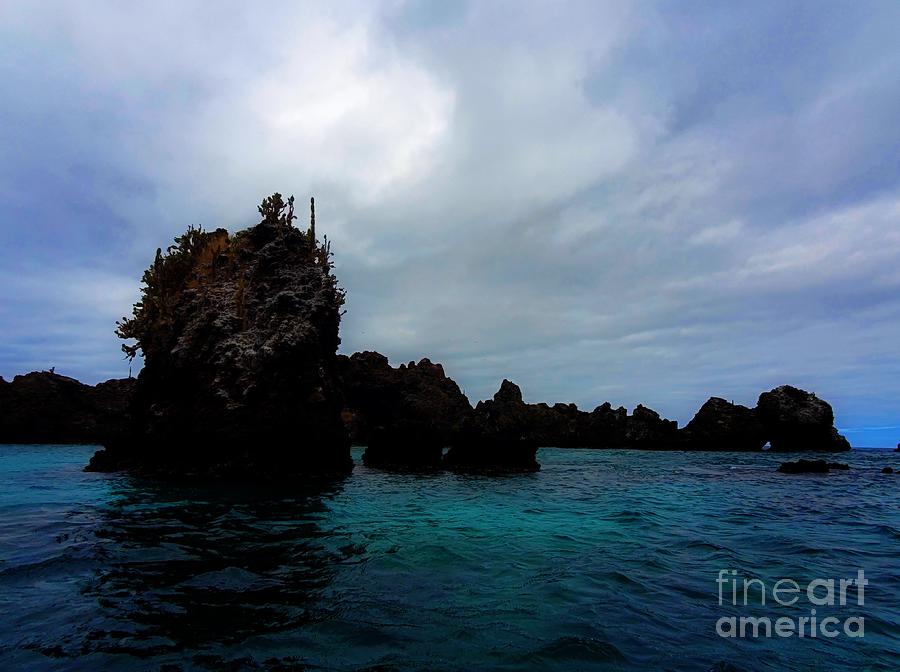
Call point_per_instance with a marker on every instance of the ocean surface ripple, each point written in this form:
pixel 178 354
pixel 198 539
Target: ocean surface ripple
pixel 604 560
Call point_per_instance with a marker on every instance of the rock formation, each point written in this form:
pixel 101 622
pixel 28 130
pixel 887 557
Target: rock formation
pixel 239 337
pixel 496 435
pixel 796 420
pixel 44 407
pixel 721 425
pixel 405 415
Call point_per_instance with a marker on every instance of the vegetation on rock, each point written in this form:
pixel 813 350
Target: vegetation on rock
pixel 239 337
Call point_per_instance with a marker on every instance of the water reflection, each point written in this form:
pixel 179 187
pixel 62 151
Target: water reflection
pixel 187 567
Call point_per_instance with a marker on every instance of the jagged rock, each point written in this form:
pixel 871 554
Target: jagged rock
pixel 796 420
pixel 495 436
pixel 811 467
pixel 647 430
pixel 239 336
pixel 405 415
pixel 44 407
pixel 721 425
pixel 606 427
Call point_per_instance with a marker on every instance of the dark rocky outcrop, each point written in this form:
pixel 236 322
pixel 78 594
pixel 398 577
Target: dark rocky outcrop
pixel 44 407
pixel 811 467
pixel 648 431
pixel 405 415
pixel 565 426
pixel 239 336
pixel 796 420
pixel 887 470
pixel 723 426
pixel 496 435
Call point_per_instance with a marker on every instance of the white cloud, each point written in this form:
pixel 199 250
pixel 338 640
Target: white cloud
pixel 718 233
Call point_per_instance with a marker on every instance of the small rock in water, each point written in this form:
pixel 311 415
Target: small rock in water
pixel 811 467
pixel 887 470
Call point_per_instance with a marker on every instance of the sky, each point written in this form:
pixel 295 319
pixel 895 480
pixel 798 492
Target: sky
pixel 636 202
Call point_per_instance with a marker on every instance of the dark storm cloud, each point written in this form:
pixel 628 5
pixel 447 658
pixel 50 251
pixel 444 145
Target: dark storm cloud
pixel 628 202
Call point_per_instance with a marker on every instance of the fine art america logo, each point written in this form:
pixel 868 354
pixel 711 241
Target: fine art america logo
pixel 834 595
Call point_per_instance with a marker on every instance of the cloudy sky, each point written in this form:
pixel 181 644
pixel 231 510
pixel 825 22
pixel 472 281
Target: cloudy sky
pixel 633 202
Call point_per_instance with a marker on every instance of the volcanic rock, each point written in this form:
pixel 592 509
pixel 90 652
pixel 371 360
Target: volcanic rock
pixel 45 407
pixel 796 420
pixel 239 337
pixel 405 415
pixel 495 436
pixel 723 426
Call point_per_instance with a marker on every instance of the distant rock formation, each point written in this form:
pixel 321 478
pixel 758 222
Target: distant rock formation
pixel 44 407
pixel 405 415
pixel 565 426
pixel 796 420
pixel 239 336
pixel 811 467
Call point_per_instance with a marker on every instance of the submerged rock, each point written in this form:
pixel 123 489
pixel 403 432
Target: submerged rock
pixel 811 467
pixel 721 425
pixel 239 337
pixel 796 420
pixel 45 407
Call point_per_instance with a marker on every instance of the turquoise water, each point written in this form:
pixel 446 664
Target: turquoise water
pixel 604 560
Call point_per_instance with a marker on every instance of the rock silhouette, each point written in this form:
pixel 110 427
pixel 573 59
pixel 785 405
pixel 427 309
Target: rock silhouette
pixel 496 434
pixel 45 407
pixel 721 425
pixel 405 415
pixel 239 336
pixel 796 420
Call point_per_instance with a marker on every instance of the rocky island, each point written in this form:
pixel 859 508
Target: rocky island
pixel 239 336
pixel 241 378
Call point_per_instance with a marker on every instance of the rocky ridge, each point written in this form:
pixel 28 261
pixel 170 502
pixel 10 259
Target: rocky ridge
pixel 45 407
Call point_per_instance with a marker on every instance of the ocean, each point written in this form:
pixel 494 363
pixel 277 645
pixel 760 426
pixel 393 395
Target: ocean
pixel 603 560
